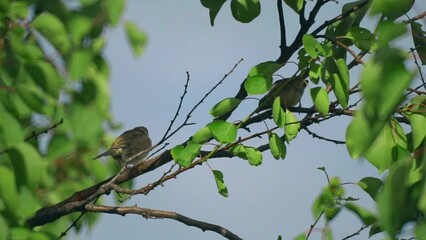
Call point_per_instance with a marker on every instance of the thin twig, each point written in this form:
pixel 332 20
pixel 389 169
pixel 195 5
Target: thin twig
pixel 321 137
pixel 188 116
pixel 356 233
pixel 185 91
pixel 160 214
pixel 311 228
pixel 34 134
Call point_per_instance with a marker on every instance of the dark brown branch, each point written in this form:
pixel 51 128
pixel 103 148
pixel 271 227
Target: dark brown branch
pixel 283 44
pixel 160 214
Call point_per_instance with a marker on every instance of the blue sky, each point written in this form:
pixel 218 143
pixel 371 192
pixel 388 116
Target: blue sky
pixel 272 199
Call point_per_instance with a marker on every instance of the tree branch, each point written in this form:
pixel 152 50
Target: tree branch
pixel 160 214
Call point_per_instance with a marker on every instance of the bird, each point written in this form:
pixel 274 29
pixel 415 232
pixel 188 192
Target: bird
pixel 290 91
pixel 130 143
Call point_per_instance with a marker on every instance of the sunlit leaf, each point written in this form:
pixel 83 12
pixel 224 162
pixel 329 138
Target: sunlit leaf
pixel 224 106
pixel 137 38
pixel 220 183
pixel 320 98
pixel 310 44
pixel 278 113
pixel 292 126
pixel 257 84
pixel 79 63
pixel 277 146
pixel 184 155
pixel 8 189
pixel 265 69
pixel 53 30
pixel 392 9
pixel 254 156
pixel 393 199
pixel 114 10
pixel 222 131
pixel 202 136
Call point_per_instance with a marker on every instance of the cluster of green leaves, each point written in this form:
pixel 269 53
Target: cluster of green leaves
pixel 375 132
pixel 52 69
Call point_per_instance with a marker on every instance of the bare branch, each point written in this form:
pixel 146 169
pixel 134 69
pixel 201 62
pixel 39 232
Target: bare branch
pixel 185 91
pixel 160 214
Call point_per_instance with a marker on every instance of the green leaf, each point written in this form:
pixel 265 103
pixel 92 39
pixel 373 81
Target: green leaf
pixel 214 7
pixel 240 151
pixel 78 26
pixel 32 96
pixel 26 162
pixel 137 38
pixel 337 75
pixel 85 123
pixel 245 10
pixel 114 10
pixel 254 156
pixel 419 39
pixel 3 225
pixel 420 230
pixel 418 120
pixel 320 98
pixel 362 37
pixel 365 215
pixel 381 153
pixel 184 155
pixel 315 72
pixel 371 186
pixel 277 146
pixel 392 9
pixel 222 131
pixel 202 136
pixel 311 45
pixel 357 143
pixel 385 75
pixel 265 69
pixel 278 113
pixel 25 49
pixel 10 130
pixel 60 145
pixel 296 5
pixel 221 187
pixel 292 126
pixel 8 190
pixel 53 30
pixel 257 84
pixel 388 31
pixel 224 106
pixel 393 199
pixel 79 63
pixel 46 76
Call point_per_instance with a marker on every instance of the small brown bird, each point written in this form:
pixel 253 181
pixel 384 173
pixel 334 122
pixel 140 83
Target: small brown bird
pixel 127 145
pixel 290 91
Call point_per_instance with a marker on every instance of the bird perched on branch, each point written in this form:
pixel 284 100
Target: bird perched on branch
pixel 290 91
pixel 132 146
